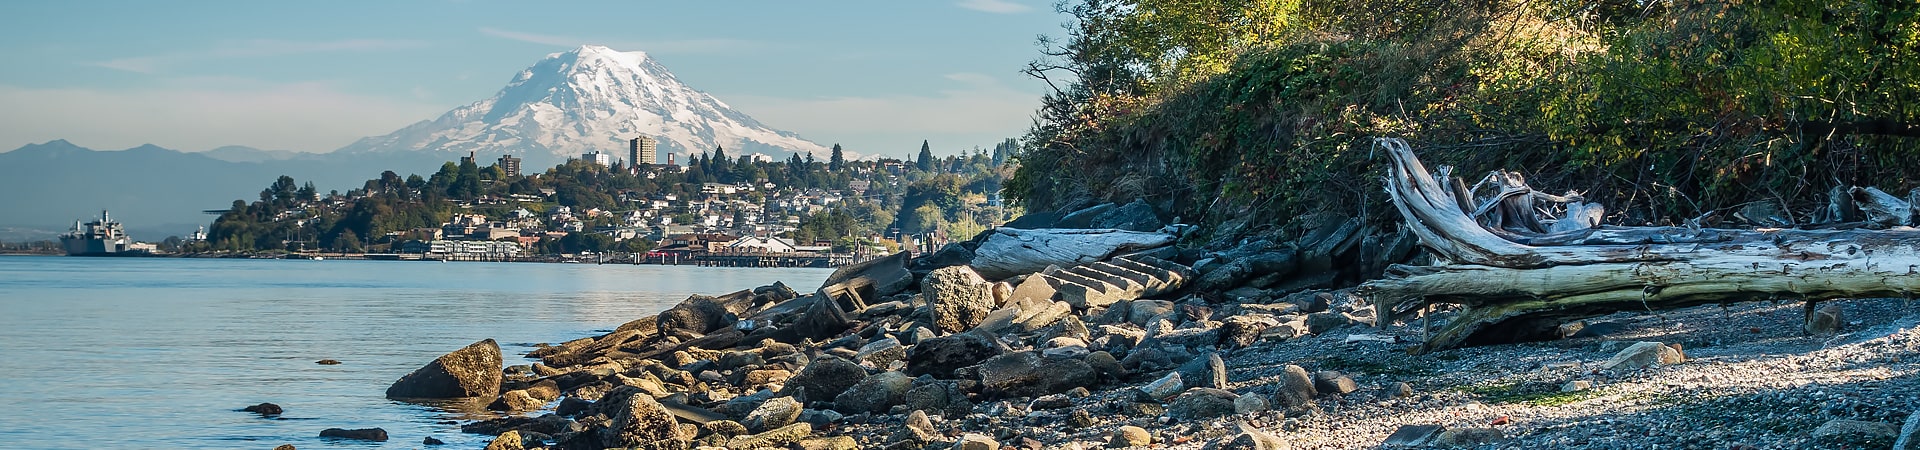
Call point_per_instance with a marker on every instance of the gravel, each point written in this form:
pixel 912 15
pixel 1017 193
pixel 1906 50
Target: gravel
pixel 1752 380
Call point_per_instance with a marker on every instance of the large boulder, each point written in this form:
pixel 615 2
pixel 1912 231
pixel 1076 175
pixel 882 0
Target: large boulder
pixel 776 438
pixel 1135 216
pixel 1201 404
pixel 1856 433
pixel 940 356
pixel 1250 438
pixel 959 297
pixel 1036 220
pixel 1909 434
pixel 1010 251
pixel 473 371
pixel 641 422
pixel 771 414
pixel 1239 270
pixel 874 394
pixel 1032 288
pixel 509 440
pixel 1333 382
pixel 1205 371
pixel 1827 319
pixel 1028 374
pixel 825 378
pixel 364 434
pixel 1083 217
pixel 881 352
pixel 1129 436
pixel 917 431
pixel 700 314
pixel 1295 389
pixel 941 397
pixel 1244 330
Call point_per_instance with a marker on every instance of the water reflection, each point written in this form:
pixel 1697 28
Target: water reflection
pixel 167 342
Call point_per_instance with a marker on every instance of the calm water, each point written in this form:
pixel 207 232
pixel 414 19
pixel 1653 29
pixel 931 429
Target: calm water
pixel 158 353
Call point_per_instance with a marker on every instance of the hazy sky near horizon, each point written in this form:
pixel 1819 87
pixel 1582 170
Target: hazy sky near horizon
pixel 877 76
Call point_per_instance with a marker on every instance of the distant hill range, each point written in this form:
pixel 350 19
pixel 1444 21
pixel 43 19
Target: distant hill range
pixel 158 192
pixel 590 98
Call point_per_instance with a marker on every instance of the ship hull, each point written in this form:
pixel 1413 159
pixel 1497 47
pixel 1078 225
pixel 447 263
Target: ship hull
pixel 90 247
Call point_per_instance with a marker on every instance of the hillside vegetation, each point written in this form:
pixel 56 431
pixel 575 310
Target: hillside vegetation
pixel 928 196
pixel 1250 112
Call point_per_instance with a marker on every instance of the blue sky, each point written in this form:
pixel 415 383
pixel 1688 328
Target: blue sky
pixel 877 76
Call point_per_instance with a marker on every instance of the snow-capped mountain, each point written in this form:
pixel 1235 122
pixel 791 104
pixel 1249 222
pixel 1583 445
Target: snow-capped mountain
pixel 587 99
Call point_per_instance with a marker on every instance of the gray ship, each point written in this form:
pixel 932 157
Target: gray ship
pixel 101 238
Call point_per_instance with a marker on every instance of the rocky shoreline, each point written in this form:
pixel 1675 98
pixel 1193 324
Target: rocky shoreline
pixel 1078 333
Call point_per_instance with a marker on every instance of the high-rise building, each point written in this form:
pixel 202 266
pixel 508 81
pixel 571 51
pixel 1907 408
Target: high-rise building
pixel 510 165
pixel 598 158
pixel 640 152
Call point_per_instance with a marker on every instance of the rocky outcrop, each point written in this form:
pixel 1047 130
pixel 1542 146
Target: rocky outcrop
pixel 700 314
pixel 362 434
pixel 264 409
pixel 473 371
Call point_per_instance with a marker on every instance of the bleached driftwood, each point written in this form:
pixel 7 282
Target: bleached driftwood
pixel 1012 251
pixel 1518 280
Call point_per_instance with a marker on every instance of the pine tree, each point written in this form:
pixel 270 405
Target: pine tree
pixel 839 160
pixel 1003 151
pixel 926 157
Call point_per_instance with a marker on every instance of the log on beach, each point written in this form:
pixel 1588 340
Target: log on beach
pixel 1519 274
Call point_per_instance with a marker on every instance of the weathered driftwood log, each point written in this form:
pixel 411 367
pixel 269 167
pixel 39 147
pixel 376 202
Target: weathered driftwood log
pixel 1011 251
pixel 1518 280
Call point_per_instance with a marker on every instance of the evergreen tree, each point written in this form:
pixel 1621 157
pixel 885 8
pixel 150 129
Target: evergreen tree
pixel 839 160
pixel 926 157
pixel 1004 150
pixel 721 169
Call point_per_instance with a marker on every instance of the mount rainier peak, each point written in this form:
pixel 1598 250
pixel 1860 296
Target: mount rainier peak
pixel 587 99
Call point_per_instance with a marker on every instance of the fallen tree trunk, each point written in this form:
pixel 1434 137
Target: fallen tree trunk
pixel 1518 279
pixel 1010 251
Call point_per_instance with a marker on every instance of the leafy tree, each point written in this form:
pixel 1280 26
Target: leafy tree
pixel 635 245
pixel 347 242
pixel 924 219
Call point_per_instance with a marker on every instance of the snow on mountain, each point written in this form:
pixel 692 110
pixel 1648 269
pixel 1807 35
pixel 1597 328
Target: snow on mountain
pixel 587 99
